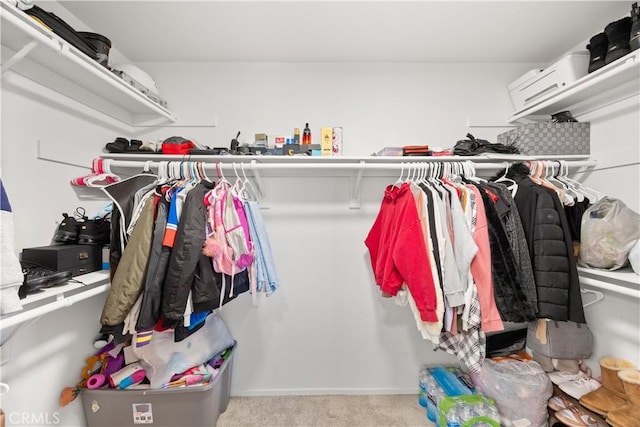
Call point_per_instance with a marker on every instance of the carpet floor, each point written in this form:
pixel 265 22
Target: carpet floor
pixel 329 410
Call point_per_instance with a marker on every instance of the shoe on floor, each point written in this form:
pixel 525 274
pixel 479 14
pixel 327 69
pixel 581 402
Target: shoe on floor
pixel 557 402
pixel 575 417
pixel 566 365
pixel 559 377
pixel 629 414
pixel 611 395
pixel 579 387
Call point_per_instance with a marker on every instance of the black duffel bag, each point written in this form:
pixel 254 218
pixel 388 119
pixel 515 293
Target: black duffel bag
pixel 62 29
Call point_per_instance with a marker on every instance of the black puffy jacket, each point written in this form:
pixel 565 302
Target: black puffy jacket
pixel 551 250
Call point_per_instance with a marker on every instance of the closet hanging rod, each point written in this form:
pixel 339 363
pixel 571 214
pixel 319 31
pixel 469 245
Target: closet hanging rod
pixel 253 164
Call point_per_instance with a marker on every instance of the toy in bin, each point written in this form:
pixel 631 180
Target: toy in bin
pixel 439 382
pixel 468 411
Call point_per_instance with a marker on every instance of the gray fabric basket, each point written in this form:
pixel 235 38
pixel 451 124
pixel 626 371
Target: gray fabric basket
pixel 565 340
pixel 549 138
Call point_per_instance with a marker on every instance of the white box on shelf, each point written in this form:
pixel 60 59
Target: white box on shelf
pixel 538 84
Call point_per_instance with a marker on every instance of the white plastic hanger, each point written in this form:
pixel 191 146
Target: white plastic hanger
pixel 547 177
pixel 399 180
pixel 237 184
pixel 201 171
pixel 249 190
pixel 588 192
pixel 579 195
pixel 512 185
pixel 553 177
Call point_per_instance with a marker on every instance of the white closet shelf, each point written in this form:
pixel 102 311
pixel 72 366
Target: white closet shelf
pixel 625 281
pixel 58 297
pixel 611 83
pixel 315 166
pixel 330 160
pixel 355 168
pixel 42 56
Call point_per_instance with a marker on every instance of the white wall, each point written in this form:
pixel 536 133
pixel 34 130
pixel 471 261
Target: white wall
pixel 377 104
pixel 327 329
pixel 39 361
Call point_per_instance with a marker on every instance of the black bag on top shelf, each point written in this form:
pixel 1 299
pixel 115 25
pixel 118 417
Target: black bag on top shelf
pixel 62 29
pixel 474 147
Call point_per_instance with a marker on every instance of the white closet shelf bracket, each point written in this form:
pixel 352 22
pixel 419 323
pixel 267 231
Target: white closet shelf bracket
pixel 56 298
pixel 19 55
pixel 355 183
pixel 599 296
pixel 60 302
pixel 633 293
pixel 39 156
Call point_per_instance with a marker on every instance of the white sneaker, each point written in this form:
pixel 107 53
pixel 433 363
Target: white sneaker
pixel 579 387
pixel 559 377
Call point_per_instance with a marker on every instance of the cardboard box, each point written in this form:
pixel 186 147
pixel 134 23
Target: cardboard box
pixel 537 139
pixel 326 141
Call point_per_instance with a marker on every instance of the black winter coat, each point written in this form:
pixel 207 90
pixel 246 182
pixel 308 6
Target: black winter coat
pixel 190 270
pixel 185 254
pixel 551 250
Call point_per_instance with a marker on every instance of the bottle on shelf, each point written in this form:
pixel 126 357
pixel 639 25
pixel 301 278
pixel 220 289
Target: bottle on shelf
pixel 296 136
pixel 306 134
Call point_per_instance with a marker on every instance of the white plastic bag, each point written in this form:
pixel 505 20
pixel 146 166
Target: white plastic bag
pixel 609 231
pixel 521 389
pixel 162 357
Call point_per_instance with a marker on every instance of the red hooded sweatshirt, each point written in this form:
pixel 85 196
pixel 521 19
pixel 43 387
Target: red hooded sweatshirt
pixel 398 252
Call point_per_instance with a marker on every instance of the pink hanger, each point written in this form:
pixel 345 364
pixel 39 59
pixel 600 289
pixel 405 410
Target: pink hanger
pixel 100 175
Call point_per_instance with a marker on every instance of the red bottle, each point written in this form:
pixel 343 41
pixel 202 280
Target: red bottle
pixel 306 134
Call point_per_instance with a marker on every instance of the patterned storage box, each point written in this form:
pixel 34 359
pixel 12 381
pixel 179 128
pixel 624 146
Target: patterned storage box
pixel 549 138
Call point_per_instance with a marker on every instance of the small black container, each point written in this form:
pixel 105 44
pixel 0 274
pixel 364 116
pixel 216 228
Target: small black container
pixel 101 44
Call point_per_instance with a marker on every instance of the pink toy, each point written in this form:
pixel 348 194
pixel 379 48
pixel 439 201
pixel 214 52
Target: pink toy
pixel 96 381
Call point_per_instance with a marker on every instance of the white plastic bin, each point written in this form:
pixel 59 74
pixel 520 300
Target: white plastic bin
pixel 539 84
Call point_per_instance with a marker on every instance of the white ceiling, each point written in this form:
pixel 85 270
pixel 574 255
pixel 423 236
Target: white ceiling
pixel 431 31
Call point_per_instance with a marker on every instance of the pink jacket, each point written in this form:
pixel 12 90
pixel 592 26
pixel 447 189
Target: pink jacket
pixel 481 270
